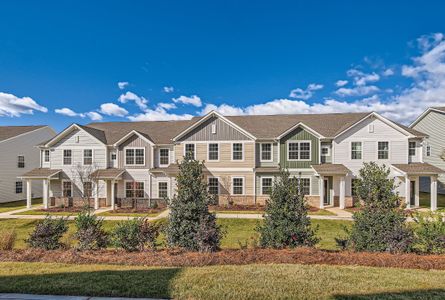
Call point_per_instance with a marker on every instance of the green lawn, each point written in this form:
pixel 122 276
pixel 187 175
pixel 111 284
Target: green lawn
pixel 44 213
pixel 424 201
pixel 10 206
pixel 223 282
pixel 320 212
pixel 118 214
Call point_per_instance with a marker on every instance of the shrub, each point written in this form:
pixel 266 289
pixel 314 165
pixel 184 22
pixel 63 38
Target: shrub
pixel 430 233
pixel 135 235
pixel 47 233
pixel 7 239
pixel 286 222
pixel 191 226
pixel 90 234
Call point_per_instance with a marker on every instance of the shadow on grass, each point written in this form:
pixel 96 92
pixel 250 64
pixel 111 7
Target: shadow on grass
pixel 419 294
pixel 154 283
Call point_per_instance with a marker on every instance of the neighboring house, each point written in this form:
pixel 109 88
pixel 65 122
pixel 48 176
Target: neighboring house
pixel 242 155
pixel 432 122
pixel 18 154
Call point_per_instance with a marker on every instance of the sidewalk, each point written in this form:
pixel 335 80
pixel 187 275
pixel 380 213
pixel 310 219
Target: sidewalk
pixel 51 297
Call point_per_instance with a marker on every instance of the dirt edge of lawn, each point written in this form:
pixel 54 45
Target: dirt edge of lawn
pixel 177 258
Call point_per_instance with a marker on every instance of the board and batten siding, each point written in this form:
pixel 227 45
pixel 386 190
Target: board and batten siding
pixel 24 144
pixel 134 141
pixel 299 134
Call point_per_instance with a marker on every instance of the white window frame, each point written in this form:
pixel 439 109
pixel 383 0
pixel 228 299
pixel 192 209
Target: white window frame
pixel 83 156
pixel 261 152
pixel 63 157
pixel 242 152
pixel 194 147
pixel 299 151
pixel 168 157
pixel 134 164
pixel 111 156
pixel 261 184
pixel 415 148
pixel 15 187
pixel 350 150
pixel 63 190
pixel 208 151
pixel 208 183
pixel 44 156
pixel 125 188
pixel 325 147
pixel 389 149
pixel 310 182
pixel 244 185
pixel 168 188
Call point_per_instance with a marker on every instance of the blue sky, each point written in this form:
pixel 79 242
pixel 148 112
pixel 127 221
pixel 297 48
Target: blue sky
pixel 61 61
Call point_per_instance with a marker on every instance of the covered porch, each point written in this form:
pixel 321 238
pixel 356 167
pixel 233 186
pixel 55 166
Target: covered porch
pixel 332 177
pixel 41 174
pixel 107 179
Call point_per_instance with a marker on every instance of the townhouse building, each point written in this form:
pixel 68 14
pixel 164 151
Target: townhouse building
pixel 242 155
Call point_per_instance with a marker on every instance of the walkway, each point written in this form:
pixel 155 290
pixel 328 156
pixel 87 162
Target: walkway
pixel 51 297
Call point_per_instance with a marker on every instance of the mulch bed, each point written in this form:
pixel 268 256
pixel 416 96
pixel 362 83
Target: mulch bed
pixel 177 258
pixel 62 209
pixel 137 211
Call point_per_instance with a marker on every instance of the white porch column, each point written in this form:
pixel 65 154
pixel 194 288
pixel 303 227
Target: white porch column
pixel 433 192
pixel 96 194
pixel 28 193
pixel 342 192
pixel 45 193
pixel 407 192
pixel 321 191
pixel 417 195
pixel 113 200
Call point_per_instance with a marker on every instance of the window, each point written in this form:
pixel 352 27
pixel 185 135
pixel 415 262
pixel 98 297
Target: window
pixel 213 151
pixel 266 185
pixel 213 186
pixel 325 150
pixel 237 151
pixel 383 150
pixel 18 187
pixel 20 161
pixel 266 152
pixel 162 189
pixel 135 156
pixel 87 189
pixel 46 156
pixel 87 157
pixel 164 156
pixel 113 156
pixel 354 183
pixel 67 189
pixel 356 150
pixel 67 157
pixel 428 150
pixel 134 189
pixel 238 186
pixel 305 185
pixel 299 150
pixel 189 151
pixel 412 148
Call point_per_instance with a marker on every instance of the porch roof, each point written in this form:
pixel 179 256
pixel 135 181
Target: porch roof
pixel 172 169
pixel 274 169
pixel 418 169
pixel 40 173
pixel 330 169
pixel 110 173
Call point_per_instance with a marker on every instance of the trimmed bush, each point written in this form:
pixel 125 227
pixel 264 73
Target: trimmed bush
pixel 7 239
pixel 89 231
pixel 135 235
pixel 47 233
pixel 286 222
pixel 430 233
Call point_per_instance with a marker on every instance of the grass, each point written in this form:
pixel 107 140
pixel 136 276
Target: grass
pixel 15 205
pixel 320 212
pixel 223 282
pixel 44 213
pixel 424 201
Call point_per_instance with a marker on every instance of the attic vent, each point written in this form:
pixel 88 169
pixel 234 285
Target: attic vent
pixel 213 128
pixel 371 128
pixel 77 138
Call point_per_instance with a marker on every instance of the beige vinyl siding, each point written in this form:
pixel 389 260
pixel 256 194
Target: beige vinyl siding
pixel 134 141
pixel 225 181
pixel 224 132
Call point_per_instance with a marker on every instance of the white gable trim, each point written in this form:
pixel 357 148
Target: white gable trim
pixel 68 130
pixel 423 115
pixel 208 116
pixel 128 135
pixel 302 125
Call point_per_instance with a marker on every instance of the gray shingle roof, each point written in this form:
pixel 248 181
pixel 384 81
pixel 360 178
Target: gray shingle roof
pixel 419 168
pixel 326 169
pixel 7 132
pixel 41 173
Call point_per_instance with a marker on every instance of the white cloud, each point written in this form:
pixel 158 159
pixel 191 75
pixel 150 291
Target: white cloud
pixel 158 114
pixel 357 91
pixel 167 105
pixel 94 116
pixel 13 106
pixel 299 93
pixel 168 89
pixel 361 78
pixel 141 102
pixel 112 109
pixel 192 100
pixel 67 112
pixel 122 84
pixel 341 83
pixel 225 109
pixel 388 72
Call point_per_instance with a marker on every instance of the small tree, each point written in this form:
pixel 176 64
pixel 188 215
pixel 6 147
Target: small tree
pixel 380 224
pixel 286 221
pixel 191 226
pixel 85 176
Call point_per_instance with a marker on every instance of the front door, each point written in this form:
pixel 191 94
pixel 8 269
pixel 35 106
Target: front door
pixel 326 196
pixel 412 198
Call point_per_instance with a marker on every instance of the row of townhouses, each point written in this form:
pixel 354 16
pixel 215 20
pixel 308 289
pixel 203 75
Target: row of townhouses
pixel 242 154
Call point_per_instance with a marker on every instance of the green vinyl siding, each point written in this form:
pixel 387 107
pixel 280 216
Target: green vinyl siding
pixel 299 134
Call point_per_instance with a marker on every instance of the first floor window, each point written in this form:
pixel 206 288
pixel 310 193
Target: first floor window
pixel 356 150
pixel 18 187
pixel 20 161
pixel 213 151
pixel 383 150
pixel 113 156
pixel 190 151
pixel 164 157
pixel 305 185
pixel 134 189
pixel 237 151
pixel 67 189
pixel 266 152
pixel 354 183
pixel 238 185
pixel 213 186
pixel 87 157
pixel 67 156
pixel 87 189
pixel 46 156
pixel 412 148
pixel 266 185
pixel 162 190
pixel 325 151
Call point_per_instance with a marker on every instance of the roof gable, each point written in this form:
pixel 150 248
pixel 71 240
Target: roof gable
pixel 96 135
pixel 425 113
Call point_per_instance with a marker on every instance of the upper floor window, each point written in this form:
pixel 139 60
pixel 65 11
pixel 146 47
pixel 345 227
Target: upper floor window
pixel 20 161
pixel 213 151
pixel 266 152
pixel 135 156
pixel 237 151
pixel 213 186
pixel 87 157
pixel 428 150
pixel 46 156
pixel 356 150
pixel 189 151
pixel 299 150
pixel 134 189
pixel 67 189
pixel 383 150
pixel 238 185
pixel 18 187
pixel 67 157
pixel 164 157
pixel 266 185
pixel 412 148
